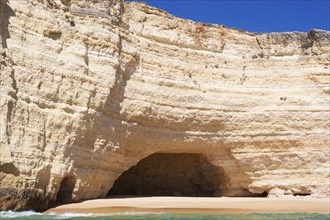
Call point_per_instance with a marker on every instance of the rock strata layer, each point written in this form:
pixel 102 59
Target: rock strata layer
pixel 90 88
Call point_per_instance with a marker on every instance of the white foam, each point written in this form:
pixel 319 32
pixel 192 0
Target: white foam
pixel 67 215
pixel 72 215
pixel 12 214
pixel 139 213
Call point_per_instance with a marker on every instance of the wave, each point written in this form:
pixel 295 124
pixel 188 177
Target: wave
pixel 69 215
pixel 25 214
pixel 12 214
pixel 31 215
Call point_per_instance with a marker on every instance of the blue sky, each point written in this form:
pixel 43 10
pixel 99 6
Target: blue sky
pixel 254 16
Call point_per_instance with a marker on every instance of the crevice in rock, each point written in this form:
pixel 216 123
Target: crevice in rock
pixel 91 96
pixel 14 84
pixel 10 107
pixel 5 13
pixel 9 168
pixel 246 193
pixel 258 43
pixel 262 195
pixel 124 71
pixel 301 194
pixel 312 35
pixel 86 56
pixel 86 59
pixel 172 174
pixel 66 2
pixel 44 136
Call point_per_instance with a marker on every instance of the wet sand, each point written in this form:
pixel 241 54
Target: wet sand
pixel 194 205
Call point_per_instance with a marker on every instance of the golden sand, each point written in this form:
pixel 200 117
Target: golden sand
pixel 197 205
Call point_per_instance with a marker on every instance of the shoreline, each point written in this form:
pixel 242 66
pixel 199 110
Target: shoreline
pixel 196 205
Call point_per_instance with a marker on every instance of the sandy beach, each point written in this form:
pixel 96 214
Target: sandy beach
pixel 192 205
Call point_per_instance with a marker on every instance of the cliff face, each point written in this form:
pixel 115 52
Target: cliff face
pixel 90 88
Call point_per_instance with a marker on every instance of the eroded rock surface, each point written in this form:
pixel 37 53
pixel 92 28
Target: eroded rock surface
pixel 90 88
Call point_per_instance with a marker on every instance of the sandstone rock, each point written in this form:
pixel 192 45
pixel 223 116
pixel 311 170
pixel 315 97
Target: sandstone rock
pixel 276 192
pixel 90 88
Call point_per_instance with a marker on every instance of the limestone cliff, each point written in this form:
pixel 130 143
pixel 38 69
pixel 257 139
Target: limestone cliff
pixel 90 88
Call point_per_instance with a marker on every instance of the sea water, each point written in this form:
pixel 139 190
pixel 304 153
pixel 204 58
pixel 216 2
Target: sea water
pixel 161 216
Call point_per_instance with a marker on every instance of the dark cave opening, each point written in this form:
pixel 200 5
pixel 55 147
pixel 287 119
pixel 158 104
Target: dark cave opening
pixel 301 194
pixel 64 194
pixel 171 174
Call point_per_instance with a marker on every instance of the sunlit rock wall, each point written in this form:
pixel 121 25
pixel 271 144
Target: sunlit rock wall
pixel 89 88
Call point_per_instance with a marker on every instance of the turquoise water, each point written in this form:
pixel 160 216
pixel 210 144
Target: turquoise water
pixel 163 216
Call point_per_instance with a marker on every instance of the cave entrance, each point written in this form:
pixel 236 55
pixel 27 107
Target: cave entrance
pixel 64 194
pixel 171 174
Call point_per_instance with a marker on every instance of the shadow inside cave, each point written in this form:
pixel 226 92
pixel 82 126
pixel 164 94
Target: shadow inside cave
pixel 171 174
pixel 64 195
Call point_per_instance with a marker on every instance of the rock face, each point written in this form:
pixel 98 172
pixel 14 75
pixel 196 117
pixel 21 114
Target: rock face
pixel 90 88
